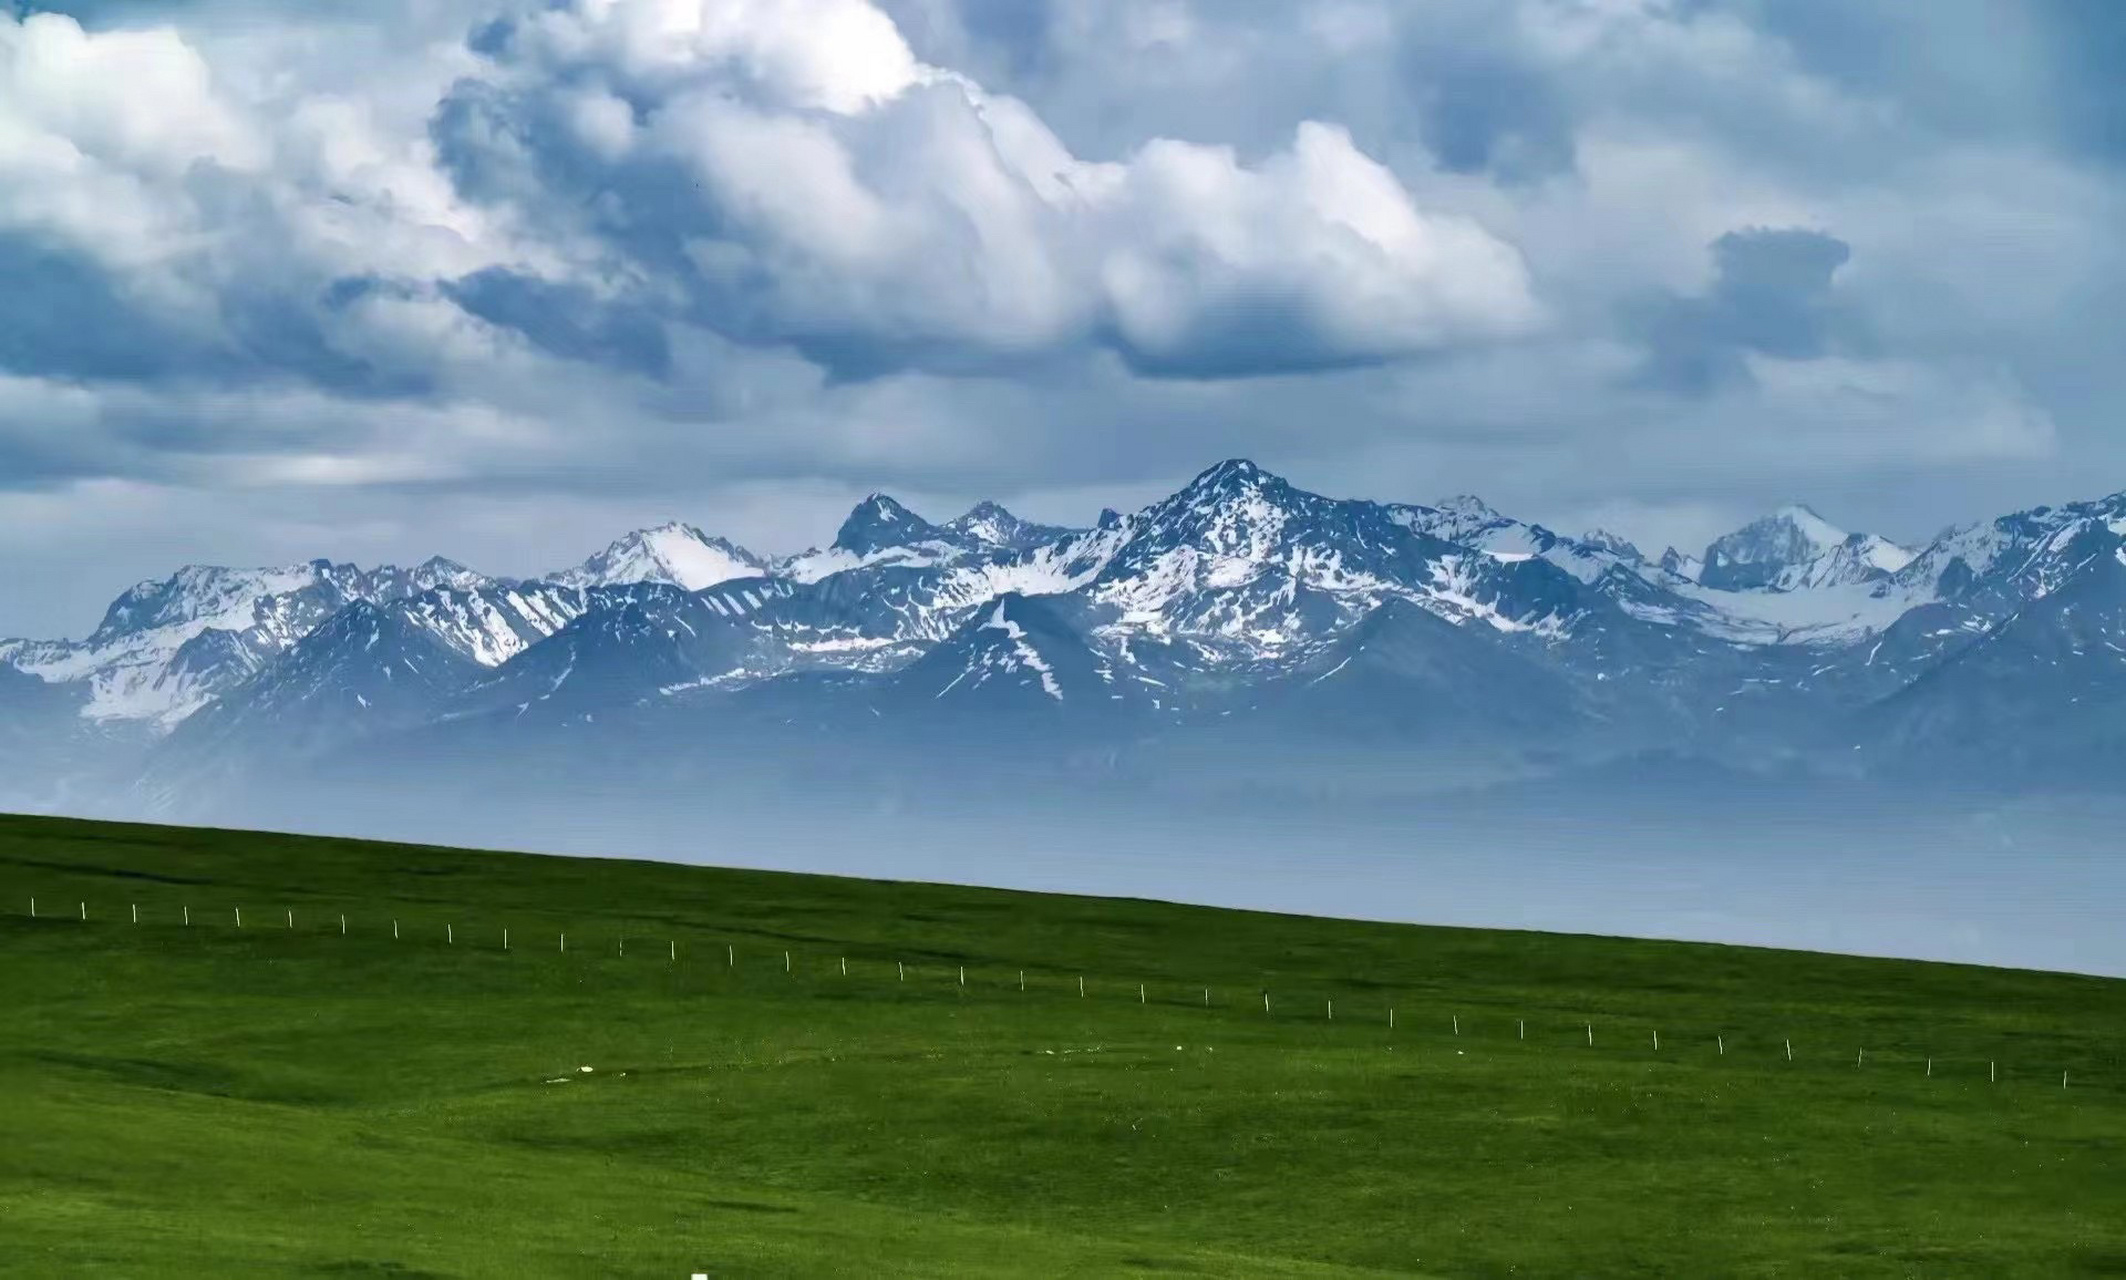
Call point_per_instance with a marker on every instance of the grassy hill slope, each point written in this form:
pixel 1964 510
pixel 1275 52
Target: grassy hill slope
pixel 202 1099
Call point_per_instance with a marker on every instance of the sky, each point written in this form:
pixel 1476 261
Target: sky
pixel 383 279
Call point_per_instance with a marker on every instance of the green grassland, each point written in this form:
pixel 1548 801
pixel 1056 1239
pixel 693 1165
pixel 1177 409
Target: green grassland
pixel 207 1100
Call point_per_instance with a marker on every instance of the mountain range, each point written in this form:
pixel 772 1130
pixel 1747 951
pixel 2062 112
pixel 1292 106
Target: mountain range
pixel 1242 635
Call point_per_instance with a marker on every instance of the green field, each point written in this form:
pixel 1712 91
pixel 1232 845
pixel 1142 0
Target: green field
pixel 200 1099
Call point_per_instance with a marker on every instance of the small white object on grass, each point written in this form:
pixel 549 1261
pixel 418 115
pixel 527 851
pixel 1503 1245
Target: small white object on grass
pixel 1930 1068
pixel 2063 1079
pixel 901 967
pixel 343 926
pixel 845 966
pixel 239 917
pixel 1991 1075
pixel 1789 1050
pixel 505 939
pixel 564 940
pixel 188 915
pixel 1522 1025
pixel 1391 1019
pixel 786 962
pixel 1722 1042
pixel 1590 1035
pixel 730 955
pixel 1457 1023
pixel 84 910
pixel 1657 1042
pixel 394 930
pixel 136 913
pixel 675 949
pixel 1081 986
pixel 584 1070
pixel 291 919
pixel 33 908
pixel 1862 1059
pixel 450 934
pixel 1140 994
pixel 963 975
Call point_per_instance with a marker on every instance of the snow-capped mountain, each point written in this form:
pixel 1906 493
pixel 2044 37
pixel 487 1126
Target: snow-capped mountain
pixel 990 525
pixel 1016 653
pixel 2042 689
pixel 676 553
pixel 879 530
pixel 168 647
pixel 1688 568
pixel 1794 549
pixel 1234 623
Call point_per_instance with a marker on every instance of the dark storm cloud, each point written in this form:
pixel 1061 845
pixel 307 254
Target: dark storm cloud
pixel 566 320
pixel 1772 293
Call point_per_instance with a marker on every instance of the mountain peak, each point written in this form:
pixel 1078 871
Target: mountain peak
pixel 988 524
pixel 1794 547
pixel 1229 476
pixel 674 552
pixel 879 522
pixel 1758 553
pixel 1468 507
pixel 1614 543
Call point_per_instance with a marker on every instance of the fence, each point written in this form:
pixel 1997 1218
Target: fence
pixel 1385 1015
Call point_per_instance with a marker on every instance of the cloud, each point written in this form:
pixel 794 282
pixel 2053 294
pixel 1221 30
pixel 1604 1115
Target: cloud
pixel 1771 295
pixel 799 177
pixel 681 258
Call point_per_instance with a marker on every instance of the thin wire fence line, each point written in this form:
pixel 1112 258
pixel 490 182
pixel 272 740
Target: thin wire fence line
pixel 955 974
